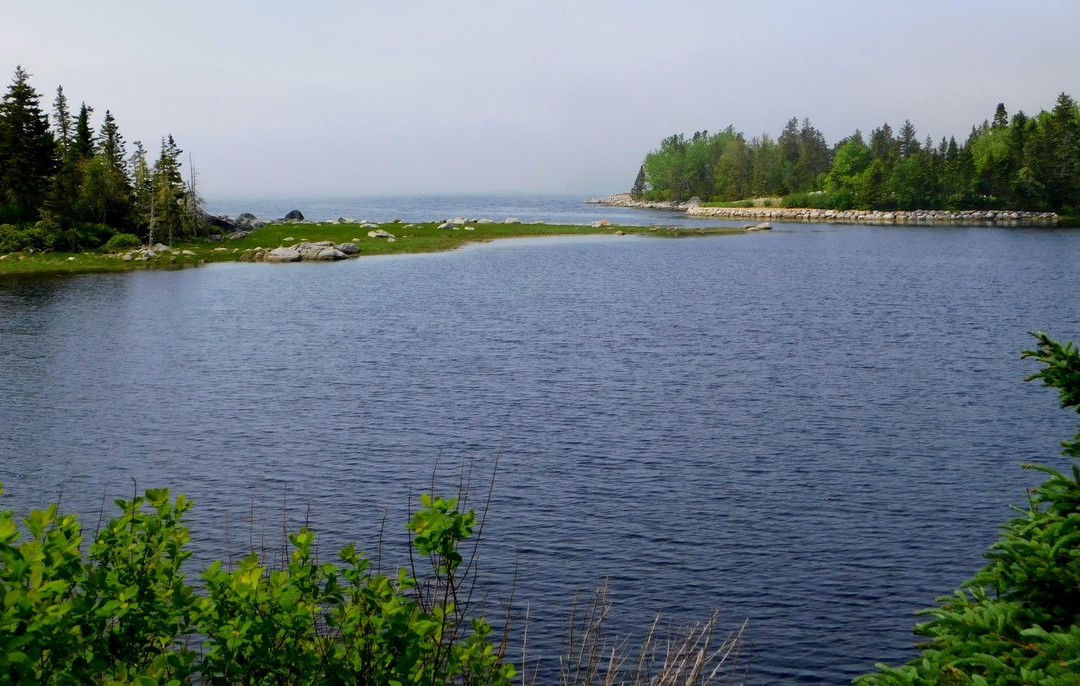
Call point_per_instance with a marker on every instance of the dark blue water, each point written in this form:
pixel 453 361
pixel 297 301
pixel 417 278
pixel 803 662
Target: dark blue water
pixel 818 429
pixel 553 209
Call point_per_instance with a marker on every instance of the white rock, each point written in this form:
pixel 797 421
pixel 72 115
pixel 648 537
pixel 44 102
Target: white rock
pixel 511 220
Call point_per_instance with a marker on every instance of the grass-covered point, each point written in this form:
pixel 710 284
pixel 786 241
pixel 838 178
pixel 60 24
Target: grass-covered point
pixel 125 612
pixel 1017 621
pixel 408 238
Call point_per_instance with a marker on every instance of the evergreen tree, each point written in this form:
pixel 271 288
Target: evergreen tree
pixel 169 192
pixel 813 161
pixel 143 202
pixel 27 150
pixel 82 142
pixel 106 188
pixel 638 189
pixel 908 143
pixel 61 122
pixel 1001 117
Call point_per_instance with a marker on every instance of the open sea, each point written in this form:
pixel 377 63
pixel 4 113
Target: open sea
pixel 816 430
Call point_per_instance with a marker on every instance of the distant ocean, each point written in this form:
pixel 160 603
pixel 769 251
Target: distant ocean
pixel 553 209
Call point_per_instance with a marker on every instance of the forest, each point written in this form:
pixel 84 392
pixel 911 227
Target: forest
pixel 1020 162
pixel 66 186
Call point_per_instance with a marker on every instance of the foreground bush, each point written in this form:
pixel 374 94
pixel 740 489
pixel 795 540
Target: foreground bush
pixel 1017 621
pixel 126 614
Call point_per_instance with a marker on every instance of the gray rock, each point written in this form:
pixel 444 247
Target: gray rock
pixel 348 248
pixel 330 253
pixel 511 220
pixel 161 247
pixel 294 216
pixel 310 251
pixel 246 220
pixel 282 255
pixel 445 225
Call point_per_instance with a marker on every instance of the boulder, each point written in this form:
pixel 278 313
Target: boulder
pixel 218 222
pixel 294 216
pixel 282 255
pixel 161 247
pixel 348 248
pixel 511 220
pixel 310 251
pixel 763 226
pixel 329 253
pixel 246 220
pixel 380 233
pixel 445 225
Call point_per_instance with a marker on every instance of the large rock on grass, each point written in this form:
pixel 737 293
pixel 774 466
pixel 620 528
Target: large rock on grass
pixel 282 255
pixel 294 216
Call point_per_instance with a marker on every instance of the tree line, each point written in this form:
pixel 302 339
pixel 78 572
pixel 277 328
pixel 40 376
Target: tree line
pixel 65 185
pixel 1018 162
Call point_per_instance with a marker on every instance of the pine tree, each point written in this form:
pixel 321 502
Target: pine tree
pixel 169 191
pixel 61 122
pixel 106 188
pixel 909 140
pixel 82 142
pixel 143 203
pixel 638 188
pixel 27 150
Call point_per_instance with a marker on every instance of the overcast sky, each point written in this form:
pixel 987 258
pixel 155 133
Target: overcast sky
pixel 338 97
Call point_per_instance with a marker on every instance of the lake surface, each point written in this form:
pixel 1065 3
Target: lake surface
pixel 817 429
pixel 553 209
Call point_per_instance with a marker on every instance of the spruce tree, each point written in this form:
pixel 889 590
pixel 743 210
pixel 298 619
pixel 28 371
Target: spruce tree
pixel 27 150
pixel 638 188
pixel 169 191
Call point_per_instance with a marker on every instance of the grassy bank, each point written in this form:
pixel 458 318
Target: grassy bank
pixel 408 238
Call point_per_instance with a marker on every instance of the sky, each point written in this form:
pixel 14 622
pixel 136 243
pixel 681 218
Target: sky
pixel 325 98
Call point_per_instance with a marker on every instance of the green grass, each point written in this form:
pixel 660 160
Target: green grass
pixel 410 238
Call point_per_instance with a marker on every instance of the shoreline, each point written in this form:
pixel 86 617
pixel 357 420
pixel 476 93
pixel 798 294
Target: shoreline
pixel 370 239
pixel 898 217
pixel 694 208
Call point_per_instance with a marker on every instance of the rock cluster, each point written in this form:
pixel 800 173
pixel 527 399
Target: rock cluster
pixel 627 200
pixel 320 251
pixel 999 217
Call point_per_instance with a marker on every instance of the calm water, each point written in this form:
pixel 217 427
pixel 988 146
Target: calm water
pixel 818 429
pixel 553 209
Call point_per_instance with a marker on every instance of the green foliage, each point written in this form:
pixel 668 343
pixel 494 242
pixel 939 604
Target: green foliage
pixel 1017 621
pixel 80 177
pixel 1028 163
pixel 125 613
pixel 14 239
pixel 121 242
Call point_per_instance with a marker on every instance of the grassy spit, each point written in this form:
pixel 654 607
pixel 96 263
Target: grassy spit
pixel 408 238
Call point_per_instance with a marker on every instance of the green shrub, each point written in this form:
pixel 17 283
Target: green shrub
pixel 126 614
pixel 14 239
pixel 122 241
pixel 1017 621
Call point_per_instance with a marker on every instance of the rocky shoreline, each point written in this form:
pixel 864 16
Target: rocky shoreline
pixel 694 208
pixel 913 217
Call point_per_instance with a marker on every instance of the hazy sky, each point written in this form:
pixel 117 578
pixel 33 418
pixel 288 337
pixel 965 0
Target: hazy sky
pixel 334 97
